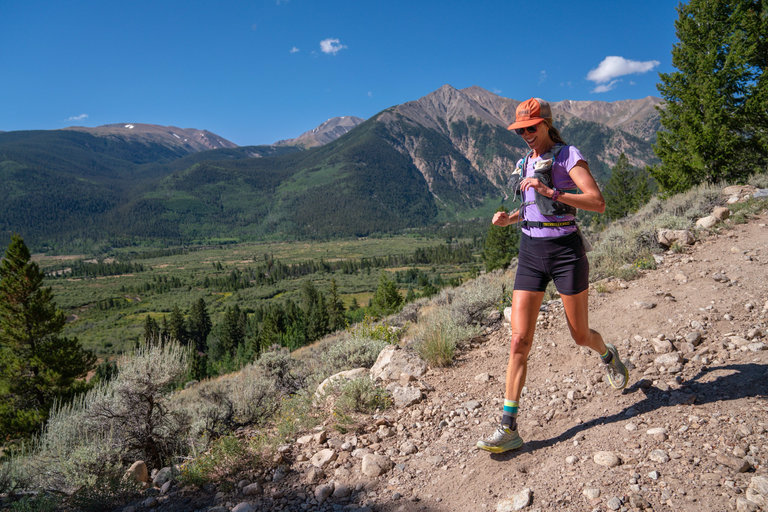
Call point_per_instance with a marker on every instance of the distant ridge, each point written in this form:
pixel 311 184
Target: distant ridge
pixel 189 140
pixel 327 132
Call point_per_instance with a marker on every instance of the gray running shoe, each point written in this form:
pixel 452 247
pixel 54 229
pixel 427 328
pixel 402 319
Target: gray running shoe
pixel 618 375
pixel 502 440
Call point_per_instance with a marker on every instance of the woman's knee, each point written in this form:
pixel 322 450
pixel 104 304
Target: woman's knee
pixel 520 343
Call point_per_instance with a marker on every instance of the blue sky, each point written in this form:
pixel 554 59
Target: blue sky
pixel 263 70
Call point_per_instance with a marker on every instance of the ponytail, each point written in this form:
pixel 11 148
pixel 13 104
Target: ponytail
pixel 553 133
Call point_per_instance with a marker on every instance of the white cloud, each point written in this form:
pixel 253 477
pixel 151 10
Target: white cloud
pixel 606 87
pixel 370 94
pixel 632 83
pixel 78 118
pixel 496 91
pixel 614 67
pixel 294 50
pixel 542 77
pixel 331 46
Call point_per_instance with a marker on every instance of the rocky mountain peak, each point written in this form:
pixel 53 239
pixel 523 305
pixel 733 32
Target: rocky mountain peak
pixel 326 132
pixel 191 139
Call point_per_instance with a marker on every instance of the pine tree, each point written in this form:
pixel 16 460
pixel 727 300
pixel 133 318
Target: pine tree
pixel 500 245
pixel 37 364
pixel 151 331
pixel 199 325
pixel 337 320
pixel 715 120
pixel 177 326
pixel 627 189
pixel 386 299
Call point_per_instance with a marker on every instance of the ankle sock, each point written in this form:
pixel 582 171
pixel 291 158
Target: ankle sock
pixel 607 357
pixel 509 415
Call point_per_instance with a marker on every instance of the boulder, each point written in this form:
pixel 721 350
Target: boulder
pixel 252 489
pixel 322 492
pixel 138 472
pixel 345 375
pixel 393 361
pixel 739 190
pixel 376 465
pixel 706 222
pixel 721 213
pixel 607 459
pixel 405 396
pixel 667 237
pixel 162 476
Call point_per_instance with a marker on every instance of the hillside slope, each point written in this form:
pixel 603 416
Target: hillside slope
pixel 681 433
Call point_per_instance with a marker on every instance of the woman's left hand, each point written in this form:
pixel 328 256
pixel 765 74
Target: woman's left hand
pixel 537 185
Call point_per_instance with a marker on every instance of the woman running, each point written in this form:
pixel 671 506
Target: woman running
pixel 551 247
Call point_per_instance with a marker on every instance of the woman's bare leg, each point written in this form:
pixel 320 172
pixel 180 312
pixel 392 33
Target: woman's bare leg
pixel 525 310
pixel 577 314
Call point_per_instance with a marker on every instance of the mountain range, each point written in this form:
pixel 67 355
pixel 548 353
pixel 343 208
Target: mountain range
pixel 442 158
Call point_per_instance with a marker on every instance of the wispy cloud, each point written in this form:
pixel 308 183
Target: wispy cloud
pixel 542 77
pixel 606 87
pixel 278 2
pixel 294 50
pixel 254 27
pixel 613 67
pixel 78 118
pixel 331 46
pixel 370 94
pixel 496 91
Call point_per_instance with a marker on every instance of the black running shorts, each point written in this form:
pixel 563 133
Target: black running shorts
pixel 561 258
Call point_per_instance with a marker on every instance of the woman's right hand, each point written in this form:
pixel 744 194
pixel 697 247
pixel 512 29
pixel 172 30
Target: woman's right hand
pixel 501 219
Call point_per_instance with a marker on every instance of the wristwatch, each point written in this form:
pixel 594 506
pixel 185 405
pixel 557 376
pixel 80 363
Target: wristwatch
pixel 555 194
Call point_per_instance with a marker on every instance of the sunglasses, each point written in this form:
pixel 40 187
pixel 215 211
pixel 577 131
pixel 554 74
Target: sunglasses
pixel 529 129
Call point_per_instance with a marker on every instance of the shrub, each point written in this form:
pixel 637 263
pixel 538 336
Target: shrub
pixel 361 395
pixel 354 351
pixel 228 455
pixel 437 335
pixel 41 502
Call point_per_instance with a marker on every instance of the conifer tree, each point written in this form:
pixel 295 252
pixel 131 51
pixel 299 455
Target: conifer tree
pixel 500 245
pixel 337 320
pixel 177 326
pixel 715 118
pixel 199 325
pixel 37 364
pixel 627 189
pixel 386 299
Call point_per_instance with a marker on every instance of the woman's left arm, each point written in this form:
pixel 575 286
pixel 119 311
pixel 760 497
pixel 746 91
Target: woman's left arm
pixel 591 198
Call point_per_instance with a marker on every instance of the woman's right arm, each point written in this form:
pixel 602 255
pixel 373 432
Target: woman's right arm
pixel 505 219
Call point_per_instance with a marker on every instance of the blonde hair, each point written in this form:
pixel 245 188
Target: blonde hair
pixel 553 133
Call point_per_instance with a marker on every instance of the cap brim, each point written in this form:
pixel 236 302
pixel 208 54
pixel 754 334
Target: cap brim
pixel 525 124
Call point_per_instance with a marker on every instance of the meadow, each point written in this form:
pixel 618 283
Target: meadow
pixel 107 312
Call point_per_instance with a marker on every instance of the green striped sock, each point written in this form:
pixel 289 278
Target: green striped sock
pixel 509 414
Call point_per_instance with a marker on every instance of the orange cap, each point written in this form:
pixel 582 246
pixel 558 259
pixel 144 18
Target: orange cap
pixel 531 112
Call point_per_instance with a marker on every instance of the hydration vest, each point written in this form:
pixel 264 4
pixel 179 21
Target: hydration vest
pixel 542 172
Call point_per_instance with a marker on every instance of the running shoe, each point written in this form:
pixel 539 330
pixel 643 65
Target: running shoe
pixel 502 440
pixel 618 375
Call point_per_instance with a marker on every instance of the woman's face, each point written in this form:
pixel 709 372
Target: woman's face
pixel 539 139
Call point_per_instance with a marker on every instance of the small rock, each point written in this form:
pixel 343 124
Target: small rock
pixel 607 459
pixel 471 405
pixel 637 501
pixel 376 465
pixel 483 377
pixel 693 337
pixel 653 475
pixel 721 213
pixel 151 502
pixel 314 475
pixel 661 346
pixel 631 427
pixel 757 347
pixel 571 459
pixel 591 493
pixel 754 333
pixel 745 505
pixel 574 394
pixel 659 434
pixel 252 489
pixel 321 437
pixel 736 464
pixel 518 502
pixel 341 491
pixel 668 360
pixel 323 457
pixel 244 507
pixel 614 503
pixel 243 483
pixel 644 305
pixel 322 492
pixel 408 448
pixel 659 456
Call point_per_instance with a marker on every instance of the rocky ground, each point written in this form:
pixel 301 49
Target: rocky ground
pixel 689 433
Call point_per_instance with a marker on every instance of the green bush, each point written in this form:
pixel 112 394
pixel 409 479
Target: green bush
pixel 228 455
pixel 41 502
pixel 361 395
